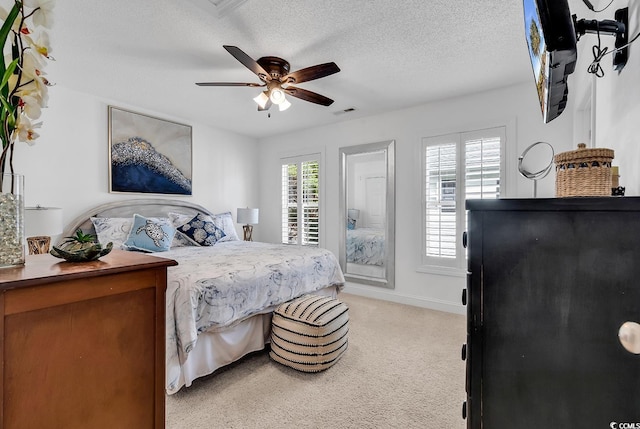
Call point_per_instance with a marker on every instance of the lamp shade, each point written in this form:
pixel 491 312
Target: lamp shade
pixel 42 221
pixel 247 216
pixel 353 214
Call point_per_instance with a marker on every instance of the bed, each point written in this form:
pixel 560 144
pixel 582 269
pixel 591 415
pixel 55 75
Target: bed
pixel 220 297
pixel 365 246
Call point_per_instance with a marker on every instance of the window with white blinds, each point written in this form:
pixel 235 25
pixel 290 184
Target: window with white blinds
pixel 457 167
pixel 300 202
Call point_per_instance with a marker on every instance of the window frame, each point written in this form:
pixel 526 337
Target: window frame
pixel 455 266
pixel 299 160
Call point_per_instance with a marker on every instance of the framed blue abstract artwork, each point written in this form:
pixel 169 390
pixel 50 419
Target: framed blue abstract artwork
pixel 148 155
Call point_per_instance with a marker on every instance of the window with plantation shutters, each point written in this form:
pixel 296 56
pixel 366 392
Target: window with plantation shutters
pixel 300 201
pixel 457 167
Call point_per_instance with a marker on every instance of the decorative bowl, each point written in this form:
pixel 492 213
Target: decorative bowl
pixel 87 254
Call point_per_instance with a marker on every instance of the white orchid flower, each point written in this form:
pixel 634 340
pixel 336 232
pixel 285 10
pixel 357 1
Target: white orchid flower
pixel 31 64
pixel 38 88
pixel 43 14
pixel 26 130
pixel 41 45
pixel 31 106
pixel 15 26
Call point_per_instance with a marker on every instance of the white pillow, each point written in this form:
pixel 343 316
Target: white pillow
pixel 225 222
pixel 112 229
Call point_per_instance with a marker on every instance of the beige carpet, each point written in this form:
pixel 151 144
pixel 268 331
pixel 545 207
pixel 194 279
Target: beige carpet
pixel 402 370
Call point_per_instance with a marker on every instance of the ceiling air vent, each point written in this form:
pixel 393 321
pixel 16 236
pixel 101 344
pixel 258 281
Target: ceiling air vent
pixel 342 112
pixel 219 7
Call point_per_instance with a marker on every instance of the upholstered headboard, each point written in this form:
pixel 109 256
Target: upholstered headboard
pixel 127 208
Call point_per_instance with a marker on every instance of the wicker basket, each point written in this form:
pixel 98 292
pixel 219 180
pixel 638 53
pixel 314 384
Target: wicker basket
pixel 583 172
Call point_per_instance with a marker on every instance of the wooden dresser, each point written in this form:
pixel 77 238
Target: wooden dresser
pixel 83 344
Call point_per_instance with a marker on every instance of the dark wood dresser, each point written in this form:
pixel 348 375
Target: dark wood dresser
pixel 83 344
pixel 550 283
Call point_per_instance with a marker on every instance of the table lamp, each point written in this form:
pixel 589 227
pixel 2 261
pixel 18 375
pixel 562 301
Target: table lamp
pixel 352 216
pixel 248 217
pixel 41 223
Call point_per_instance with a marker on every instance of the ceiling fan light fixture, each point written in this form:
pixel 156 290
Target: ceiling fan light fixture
pixel 284 105
pixel 277 96
pixel 261 99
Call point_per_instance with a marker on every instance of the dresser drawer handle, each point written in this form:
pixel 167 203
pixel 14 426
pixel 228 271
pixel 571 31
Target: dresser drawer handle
pixel 464 296
pixel 629 336
pixel 464 352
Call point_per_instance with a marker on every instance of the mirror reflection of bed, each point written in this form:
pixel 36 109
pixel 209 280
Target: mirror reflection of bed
pixel 367 205
pixel 365 252
pixel 366 199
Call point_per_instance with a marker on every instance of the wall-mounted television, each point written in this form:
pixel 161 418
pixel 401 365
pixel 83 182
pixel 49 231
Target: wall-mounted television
pixel 551 37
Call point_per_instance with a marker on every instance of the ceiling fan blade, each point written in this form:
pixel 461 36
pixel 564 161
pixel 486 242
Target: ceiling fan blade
pixel 266 106
pixel 305 95
pixel 311 73
pixel 229 84
pixel 247 61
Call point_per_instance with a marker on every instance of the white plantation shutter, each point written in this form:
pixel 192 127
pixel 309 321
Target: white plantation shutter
pixel 482 167
pixel 457 167
pixel 300 202
pixel 310 199
pixel 289 203
pixel 441 160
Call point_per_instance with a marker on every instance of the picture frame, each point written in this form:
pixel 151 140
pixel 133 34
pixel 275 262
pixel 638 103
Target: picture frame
pixel 149 155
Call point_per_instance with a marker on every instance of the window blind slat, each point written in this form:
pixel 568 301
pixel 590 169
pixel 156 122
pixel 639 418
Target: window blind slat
pixel 444 196
pixel 300 205
pixel 441 171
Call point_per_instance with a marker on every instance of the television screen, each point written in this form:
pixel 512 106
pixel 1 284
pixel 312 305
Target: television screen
pixel 551 39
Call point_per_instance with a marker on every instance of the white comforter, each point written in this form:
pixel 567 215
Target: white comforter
pixel 215 287
pixel 365 246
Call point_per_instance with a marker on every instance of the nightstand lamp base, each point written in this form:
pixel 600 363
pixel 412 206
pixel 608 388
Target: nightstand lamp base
pixel 248 232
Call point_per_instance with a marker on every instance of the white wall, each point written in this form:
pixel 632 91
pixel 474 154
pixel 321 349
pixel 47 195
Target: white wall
pixel 68 165
pixel 617 99
pixel 516 106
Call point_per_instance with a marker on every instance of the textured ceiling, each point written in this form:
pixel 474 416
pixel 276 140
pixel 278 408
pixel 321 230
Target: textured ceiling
pixel 393 54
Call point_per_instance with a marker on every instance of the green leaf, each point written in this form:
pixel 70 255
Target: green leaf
pixel 8 72
pixel 6 107
pixel 80 237
pixel 4 33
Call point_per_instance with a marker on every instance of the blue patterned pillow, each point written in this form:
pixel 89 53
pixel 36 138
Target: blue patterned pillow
pixel 150 234
pixel 202 231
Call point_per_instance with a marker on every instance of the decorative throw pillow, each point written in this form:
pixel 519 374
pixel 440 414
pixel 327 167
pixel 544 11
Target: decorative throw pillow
pixel 201 230
pixel 224 221
pixel 150 234
pixel 177 220
pixel 112 229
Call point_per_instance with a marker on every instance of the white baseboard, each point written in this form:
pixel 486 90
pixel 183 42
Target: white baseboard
pixel 417 301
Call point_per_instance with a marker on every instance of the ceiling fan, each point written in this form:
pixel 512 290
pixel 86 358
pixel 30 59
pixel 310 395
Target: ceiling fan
pixel 275 76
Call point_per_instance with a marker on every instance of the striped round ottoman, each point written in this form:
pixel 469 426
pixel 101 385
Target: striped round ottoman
pixel 309 333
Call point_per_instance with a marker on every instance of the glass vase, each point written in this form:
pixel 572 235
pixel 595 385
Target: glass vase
pixel 12 244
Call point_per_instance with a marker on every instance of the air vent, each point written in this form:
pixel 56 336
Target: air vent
pixel 219 7
pixel 342 112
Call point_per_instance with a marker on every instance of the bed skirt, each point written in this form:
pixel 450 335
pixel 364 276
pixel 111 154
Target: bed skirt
pixel 217 349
